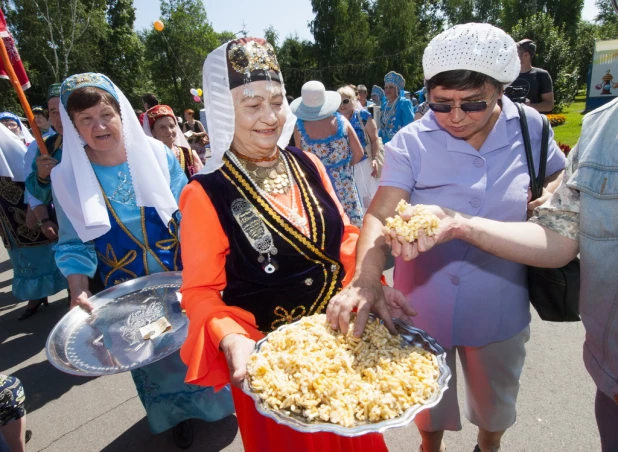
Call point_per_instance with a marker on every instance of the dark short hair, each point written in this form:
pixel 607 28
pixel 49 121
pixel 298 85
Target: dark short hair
pixel 461 80
pixel 527 45
pixel 150 100
pixel 87 97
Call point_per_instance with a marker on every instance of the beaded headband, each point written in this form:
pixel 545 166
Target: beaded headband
pixel 250 60
pixel 158 112
pixel 77 81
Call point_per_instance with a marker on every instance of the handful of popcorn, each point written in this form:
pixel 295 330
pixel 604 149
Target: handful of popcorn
pixel 422 218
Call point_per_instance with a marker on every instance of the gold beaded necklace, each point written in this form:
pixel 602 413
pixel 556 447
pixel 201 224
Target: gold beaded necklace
pixel 272 179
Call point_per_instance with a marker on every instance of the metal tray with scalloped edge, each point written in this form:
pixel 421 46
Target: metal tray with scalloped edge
pixel 410 336
pixel 108 341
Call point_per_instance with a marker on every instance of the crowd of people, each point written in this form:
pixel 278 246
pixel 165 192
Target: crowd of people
pixel 266 232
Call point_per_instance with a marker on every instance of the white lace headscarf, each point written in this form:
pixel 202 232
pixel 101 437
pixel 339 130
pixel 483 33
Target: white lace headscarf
pixel 219 107
pixel 12 152
pixel 180 139
pixel 74 181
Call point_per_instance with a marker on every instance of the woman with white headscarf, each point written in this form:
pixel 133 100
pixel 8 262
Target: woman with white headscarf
pixel 115 191
pixel 264 238
pixel 35 275
pixel 12 122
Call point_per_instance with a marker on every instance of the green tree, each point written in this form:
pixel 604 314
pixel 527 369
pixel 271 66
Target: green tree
pixel 565 14
pixel 403 28
pixel 271 35
pixel 175 56
pixel 583 49
pixel 123 51
pixel 343 39
pixel 297 59
pixel 554 54
pixel 464 11
pixel 56 38
pixel 607 19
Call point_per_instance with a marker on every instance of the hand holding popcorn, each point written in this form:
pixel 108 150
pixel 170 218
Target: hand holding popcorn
pixel 422 219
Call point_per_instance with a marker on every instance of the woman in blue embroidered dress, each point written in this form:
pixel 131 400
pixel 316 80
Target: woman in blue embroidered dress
pixel 322 131
pixel 397 111
pixel 35 275
pixel 124 225
pixel 366 172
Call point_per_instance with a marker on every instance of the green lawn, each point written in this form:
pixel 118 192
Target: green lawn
pixel 568 133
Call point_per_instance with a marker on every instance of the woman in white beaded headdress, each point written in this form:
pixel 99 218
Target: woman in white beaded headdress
pixel 264 238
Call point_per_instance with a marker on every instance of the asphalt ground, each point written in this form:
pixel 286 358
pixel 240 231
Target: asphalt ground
pixel 68 413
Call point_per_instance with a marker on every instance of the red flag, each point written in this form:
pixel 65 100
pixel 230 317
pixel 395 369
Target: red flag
pixel 18 66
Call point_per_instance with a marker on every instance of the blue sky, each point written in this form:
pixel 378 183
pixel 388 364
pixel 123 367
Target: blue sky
pixel 287 16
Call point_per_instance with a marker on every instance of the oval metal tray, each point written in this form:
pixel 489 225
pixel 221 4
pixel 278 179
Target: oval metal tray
pixel 409 335
pixel 108 341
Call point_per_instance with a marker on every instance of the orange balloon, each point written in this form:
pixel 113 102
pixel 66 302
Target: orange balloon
pixel 158 25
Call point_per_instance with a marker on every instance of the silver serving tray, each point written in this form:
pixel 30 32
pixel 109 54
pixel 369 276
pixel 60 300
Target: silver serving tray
pixel 410 336
pixel 108 340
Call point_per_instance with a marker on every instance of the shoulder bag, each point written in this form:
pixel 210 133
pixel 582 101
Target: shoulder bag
pixel 554 292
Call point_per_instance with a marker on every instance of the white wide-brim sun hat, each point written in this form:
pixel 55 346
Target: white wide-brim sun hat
pixel 315 102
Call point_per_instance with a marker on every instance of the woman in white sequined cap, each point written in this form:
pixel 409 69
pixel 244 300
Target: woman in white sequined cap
pixel 264 238
pixel 467 154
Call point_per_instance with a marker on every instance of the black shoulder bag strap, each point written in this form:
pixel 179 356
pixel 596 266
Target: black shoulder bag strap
pixel 536 182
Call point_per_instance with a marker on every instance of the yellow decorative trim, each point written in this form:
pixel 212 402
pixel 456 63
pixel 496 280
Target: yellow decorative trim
pixel 143 246
pixel 287 317
pixel 291 231
pixel 112 261
pixel 181 158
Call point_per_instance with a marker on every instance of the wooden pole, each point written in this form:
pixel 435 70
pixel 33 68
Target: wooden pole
pixel 22 97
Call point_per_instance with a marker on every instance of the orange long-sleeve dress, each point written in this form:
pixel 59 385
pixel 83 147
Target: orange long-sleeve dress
pixel 205 248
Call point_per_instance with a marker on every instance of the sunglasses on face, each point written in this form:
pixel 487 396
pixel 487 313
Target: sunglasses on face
pixel 345 101
pixel 467 107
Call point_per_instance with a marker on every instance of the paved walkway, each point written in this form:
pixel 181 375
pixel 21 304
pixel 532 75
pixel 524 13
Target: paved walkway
pixel 66 413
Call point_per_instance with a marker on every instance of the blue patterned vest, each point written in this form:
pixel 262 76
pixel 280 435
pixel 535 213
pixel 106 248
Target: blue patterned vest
pixel 123 257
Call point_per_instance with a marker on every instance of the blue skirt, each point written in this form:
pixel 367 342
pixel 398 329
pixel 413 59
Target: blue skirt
pixel 168 400
pixel 35 274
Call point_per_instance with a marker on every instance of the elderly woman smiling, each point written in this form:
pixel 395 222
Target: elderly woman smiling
pixel 117 215
pixel 264 238
pixel 162 125
pixel 467 154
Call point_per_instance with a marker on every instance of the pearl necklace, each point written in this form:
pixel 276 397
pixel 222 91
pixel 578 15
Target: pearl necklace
pixel 389 111
pixel 290 213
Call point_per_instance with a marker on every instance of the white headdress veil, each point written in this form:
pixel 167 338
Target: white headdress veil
pixel 12 152
pixel 24 132
pixel 219 107
pixel 180 140
pixel 76 186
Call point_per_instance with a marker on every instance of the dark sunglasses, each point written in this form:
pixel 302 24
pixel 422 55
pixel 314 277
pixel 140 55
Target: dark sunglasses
pixel 345 101
pixel 467 107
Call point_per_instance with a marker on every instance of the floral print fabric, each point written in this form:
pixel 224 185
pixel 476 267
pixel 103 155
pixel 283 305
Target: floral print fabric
pixel 336 155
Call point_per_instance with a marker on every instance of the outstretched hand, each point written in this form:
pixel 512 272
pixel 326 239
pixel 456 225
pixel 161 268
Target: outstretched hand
pixel 368 297
pixel 410 250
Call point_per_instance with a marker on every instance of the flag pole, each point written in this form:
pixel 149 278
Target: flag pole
pixel 22 97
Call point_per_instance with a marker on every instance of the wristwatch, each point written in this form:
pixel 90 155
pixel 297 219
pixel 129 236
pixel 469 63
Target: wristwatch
pixel 40 223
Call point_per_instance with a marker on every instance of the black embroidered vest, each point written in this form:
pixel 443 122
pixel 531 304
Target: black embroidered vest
pixel 309 271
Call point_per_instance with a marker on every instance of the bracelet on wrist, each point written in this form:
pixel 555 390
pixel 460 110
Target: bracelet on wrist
pixel 43 181
pixel 41 222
